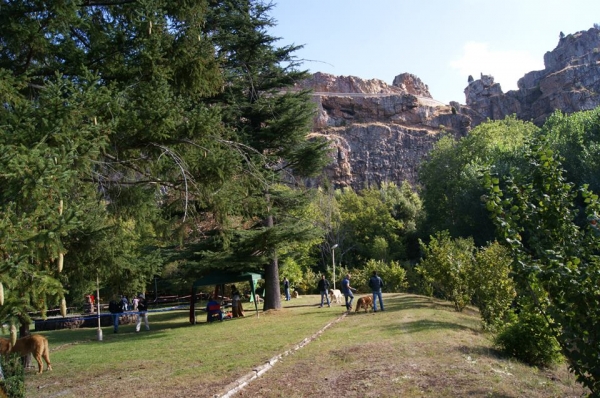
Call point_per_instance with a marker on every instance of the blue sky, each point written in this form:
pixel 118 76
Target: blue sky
pixel 441 42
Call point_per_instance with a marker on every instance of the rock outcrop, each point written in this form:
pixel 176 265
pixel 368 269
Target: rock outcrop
pixel 570 81
pixel 381 133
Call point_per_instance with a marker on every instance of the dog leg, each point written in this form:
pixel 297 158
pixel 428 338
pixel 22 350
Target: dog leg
pixel 38 358
pixel 46 356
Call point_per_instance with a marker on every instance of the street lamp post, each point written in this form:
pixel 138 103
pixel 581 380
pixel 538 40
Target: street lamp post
pixel 333 260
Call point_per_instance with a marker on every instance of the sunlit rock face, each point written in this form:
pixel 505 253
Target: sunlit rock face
pixel 381 133
pixel 570 82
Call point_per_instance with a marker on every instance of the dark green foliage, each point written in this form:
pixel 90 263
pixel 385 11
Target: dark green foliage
pixel 270 121
pixel 13 383
pixel 101 109
pixel 576 138
pixel 376 223
pixel 555 253
pixel 451 188
pixel 528 339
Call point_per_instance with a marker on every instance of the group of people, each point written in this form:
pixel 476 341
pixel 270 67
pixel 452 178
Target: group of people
pixel 140 305
pixel 375 283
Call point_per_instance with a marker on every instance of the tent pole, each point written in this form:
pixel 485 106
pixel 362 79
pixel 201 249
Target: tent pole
pixel 254 297
pixel 193 307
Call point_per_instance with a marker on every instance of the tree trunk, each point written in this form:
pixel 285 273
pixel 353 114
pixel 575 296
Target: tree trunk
pixel 272 290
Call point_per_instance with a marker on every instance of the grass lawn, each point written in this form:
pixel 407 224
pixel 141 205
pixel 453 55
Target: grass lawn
pixel 418 347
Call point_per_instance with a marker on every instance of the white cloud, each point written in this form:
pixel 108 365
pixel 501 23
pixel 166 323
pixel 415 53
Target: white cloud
pixel 507 67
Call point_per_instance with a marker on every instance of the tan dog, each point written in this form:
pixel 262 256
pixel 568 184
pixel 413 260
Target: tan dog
pixel 34 344
pixel 295 294
pixel 365 302
pixel 335 296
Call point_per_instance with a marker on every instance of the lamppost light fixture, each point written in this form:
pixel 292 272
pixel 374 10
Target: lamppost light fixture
pixel 333 260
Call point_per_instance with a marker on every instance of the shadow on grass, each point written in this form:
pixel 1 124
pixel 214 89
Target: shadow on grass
pixel 425 324
pixel 417 302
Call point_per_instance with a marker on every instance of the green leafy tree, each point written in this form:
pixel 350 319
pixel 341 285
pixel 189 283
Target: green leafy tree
pixel 379 222
pixel 447 267
pixel 451 188
pixel 555 253
pixel 576 138
pixel 493 287
pixel 44 150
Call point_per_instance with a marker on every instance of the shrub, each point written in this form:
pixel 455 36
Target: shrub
pixel 528 339
pixel 307 284
pixel 494 289
pixel 393 275
pixel 14 376
pixel 447 267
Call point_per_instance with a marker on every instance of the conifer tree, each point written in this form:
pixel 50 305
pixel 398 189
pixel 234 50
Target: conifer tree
pixel 272 121
pixel 102 113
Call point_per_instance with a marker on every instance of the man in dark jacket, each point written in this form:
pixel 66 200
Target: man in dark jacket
pixel 115 308
pixel 376 283
pixel 324 290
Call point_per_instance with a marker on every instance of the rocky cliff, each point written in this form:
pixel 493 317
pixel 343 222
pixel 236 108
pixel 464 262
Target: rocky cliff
pixel 570 81
pixel 381 133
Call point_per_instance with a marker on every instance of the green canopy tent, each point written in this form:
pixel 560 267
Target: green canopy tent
pixel 221 279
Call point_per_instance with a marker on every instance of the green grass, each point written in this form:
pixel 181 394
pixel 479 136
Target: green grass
pixel 418 347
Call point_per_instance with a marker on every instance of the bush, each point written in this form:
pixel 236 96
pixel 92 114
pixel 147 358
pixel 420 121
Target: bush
pixel 307 284
pixel 494 289
pixel 529 340
pixel 14 376
pixel 392 274
pixel 447 267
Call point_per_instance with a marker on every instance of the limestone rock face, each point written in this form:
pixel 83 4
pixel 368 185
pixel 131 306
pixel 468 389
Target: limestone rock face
pixel 570 82
pixel 381 133
pixel 326 83
pixel 411 84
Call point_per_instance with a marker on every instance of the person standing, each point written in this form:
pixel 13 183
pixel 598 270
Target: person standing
pixel 376 283
pixel 135 302
pixel 347 291
pixel 286 289
pixel 143 313
pixel 324 289
pixel 115 308
pixel 237 310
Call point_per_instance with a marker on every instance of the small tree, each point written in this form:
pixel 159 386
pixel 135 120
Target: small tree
pixel 494 289
pixel 447 267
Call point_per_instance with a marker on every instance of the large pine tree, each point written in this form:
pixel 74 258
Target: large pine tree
pixel 147 121
pixel 102 117
pixel 272 121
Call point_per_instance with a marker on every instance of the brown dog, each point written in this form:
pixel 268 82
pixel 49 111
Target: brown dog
pixel 365 302
pixel 34 344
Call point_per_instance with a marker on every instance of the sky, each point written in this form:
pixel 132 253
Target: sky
pixel 441 42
